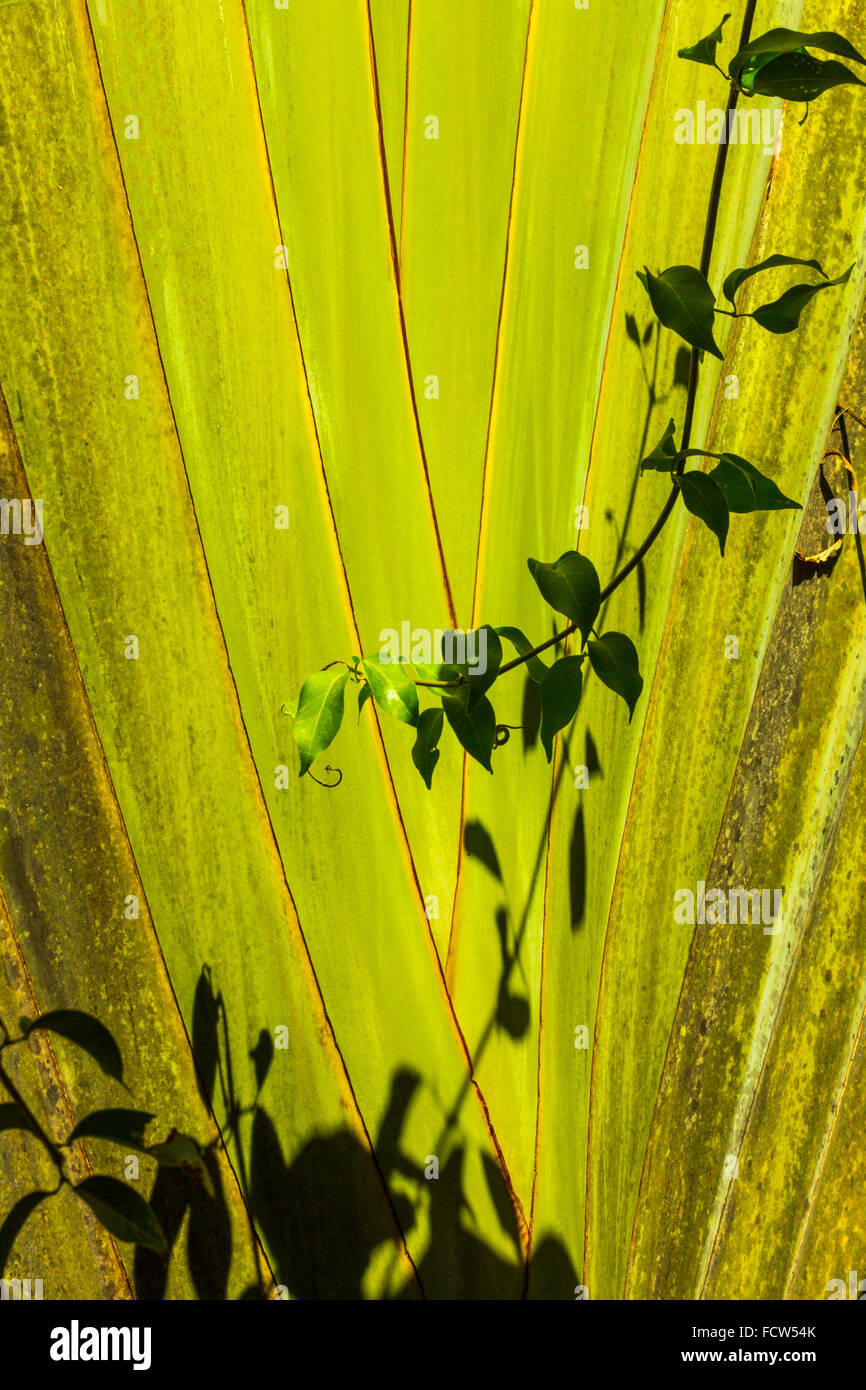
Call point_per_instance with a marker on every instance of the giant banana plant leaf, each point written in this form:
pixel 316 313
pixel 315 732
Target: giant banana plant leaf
pixel 319 320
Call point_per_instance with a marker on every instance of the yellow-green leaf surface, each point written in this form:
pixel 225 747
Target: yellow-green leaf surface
pixel 466 64
pixel 642 970
pixel 389 21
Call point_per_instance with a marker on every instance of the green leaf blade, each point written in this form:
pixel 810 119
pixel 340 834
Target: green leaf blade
pixel 522 645
pixel 738 277
pixel 704 499
pixel 783 314
pixel 571 586
pixel 425 753
pixel 614 660
pixel 683 301
pixel 474 728
pixel 746 488
pixel 320 714
pixel 393 688
pixel 704 51
pixel 560 696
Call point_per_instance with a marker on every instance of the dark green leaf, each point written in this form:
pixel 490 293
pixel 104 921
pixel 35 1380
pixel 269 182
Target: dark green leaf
pixel 125 1126
pixel 664 456
pixel 534 665
pixel 746 488
pixel 393 688
pixel 739 277
pixel 12 1117
pixel 683 302
pixel 14 1221
pixel 704 51
pixel 615 661
pixel 705 500
pixel 475 729
pixel 783 315
pixel 571 586
pixel 482 682
pixel 800 77
pixel 425 754
pixel 87 1033
pixel 560 697
pixel 182 1151
pixel 122 1212
pixel 364 693
pixel 779 41
pixel 320 713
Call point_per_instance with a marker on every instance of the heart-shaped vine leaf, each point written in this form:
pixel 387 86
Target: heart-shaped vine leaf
pixel 491 648
pixel 364 694
pixel 664 456
pixel 474 728
pixel 521 643
pixel 572 587
pixel 123 1212
pixel 683 301
pixel 614 660
pixel 800 77
pixel 777 42
pixel 393 688
pixel 560 697
pixel 739 277
pixel 425 753
pixel 320 713
pixel 747 489
pixel 783 314
pixel 704 499
pixel 704 51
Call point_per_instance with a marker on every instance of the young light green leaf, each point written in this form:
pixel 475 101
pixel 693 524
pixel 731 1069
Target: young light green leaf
pixel 781 41
pixel 704 51
pixel 87 1033
pixel 560 696
pixel 425 753
pixel 122 1212
pixel 393 688
pixel 488 649
pixel 571 586
pixel 14 1222
pixel 182 1151
pixel 746 488
pixel 783 315
pixel 739 277
pixel 320 713
pixel 683 301
pixel 475 729
pixel 800 77
pixel 534 664
pixel 124 1126
pixel 705 500
pixel 664 456
pixel 615 661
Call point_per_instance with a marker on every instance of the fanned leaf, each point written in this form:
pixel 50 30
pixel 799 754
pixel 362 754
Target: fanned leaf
pixel 571 586
pixel 87 1033
pixel 614 660
pixel 560 697
pixel 425 753
pixel 320 713
pixel 123 1212
pixel 704 499
pixel 683 301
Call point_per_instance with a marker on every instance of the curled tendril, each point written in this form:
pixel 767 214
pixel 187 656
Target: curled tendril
pixel 503 734
pixel 329 786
